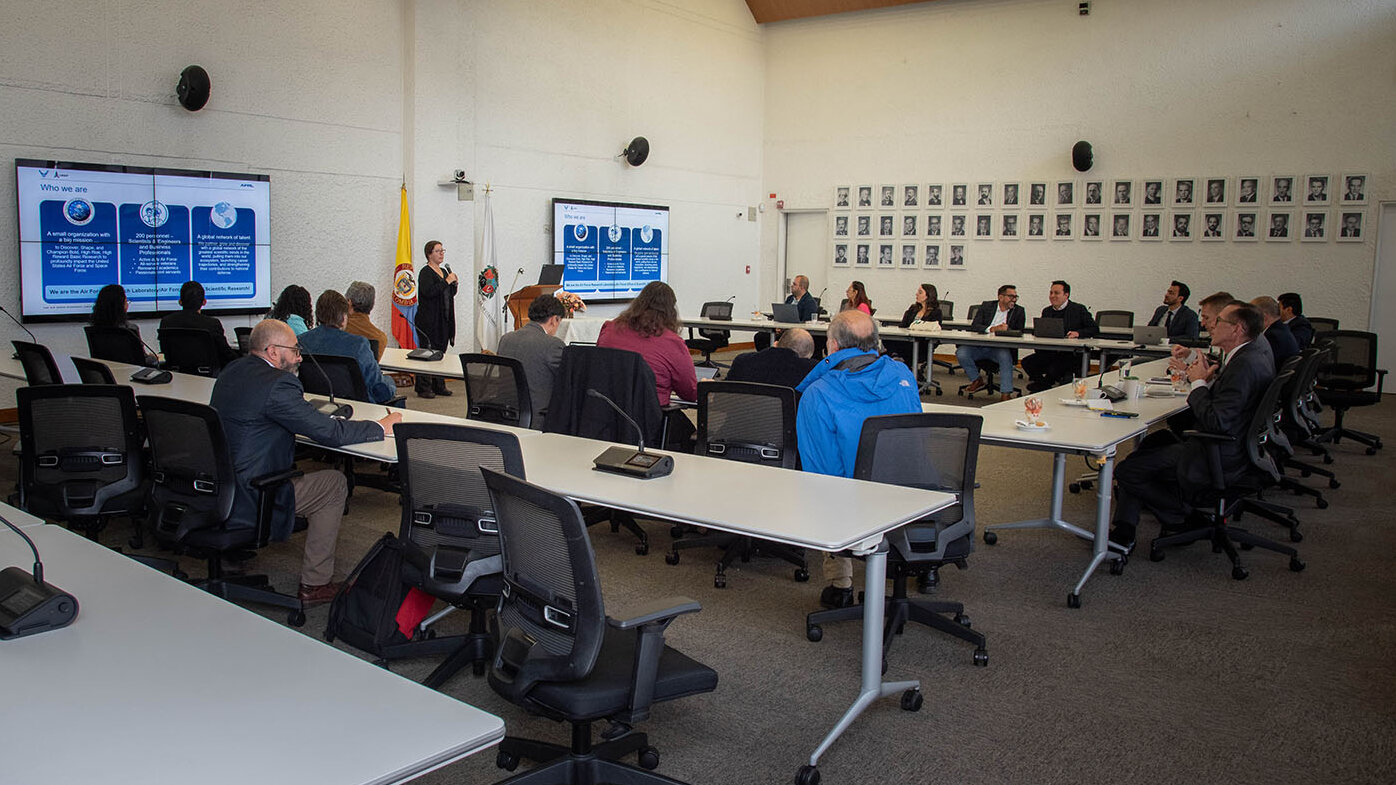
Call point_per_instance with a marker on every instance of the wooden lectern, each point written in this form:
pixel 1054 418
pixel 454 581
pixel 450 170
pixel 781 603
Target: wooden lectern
pixel 518 301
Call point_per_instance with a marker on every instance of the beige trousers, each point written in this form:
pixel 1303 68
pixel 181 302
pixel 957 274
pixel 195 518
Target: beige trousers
pixel 320 498
pixel 838 571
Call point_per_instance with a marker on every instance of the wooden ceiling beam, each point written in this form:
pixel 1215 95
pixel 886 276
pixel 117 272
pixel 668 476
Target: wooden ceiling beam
pixel 764 11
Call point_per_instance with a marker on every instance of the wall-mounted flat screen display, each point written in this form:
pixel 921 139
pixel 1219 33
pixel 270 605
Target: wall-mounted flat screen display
pixel 609 250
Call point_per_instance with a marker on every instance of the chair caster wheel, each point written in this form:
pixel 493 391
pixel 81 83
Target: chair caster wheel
pixel 506 761
pixel 1073 600
pixel 1327 459
pixel 179 575
pixel 814 632
pixel 642 549
pixel 649 758
pixel 1322 504
pixel 296 618
pixel 672 557
pixel 677 531
pixel 1334 484
pixel 912 700
pixel 719 581
pixel 991 538
pixel 1371 451
pixel 1296 536
pixel 939 392
pixel 1117 567
pixel 1297 564
pixel 981 658
pixel 801 575
pixel 807 775
pixel 963 620
pixel 1074 487
pixel 1240 573
pixel 1245 546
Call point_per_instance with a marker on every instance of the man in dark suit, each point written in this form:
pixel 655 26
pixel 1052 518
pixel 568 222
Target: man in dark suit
pixel 189 317
pixel 786 364
pixel 993 316
pixel 1159 475
pixel 1049 368
pixel 1282 343
pixel 799 297
pixel 1175 315
pixel 1292 314
pixel 538 349
pixel 262 406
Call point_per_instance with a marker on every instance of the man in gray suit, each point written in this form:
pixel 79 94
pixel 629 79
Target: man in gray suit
pixel 537 347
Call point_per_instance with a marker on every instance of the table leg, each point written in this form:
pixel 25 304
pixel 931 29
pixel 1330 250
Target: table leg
pixel 1086 364
pixel 873 687
pixel 1054 519
pixel 1102 551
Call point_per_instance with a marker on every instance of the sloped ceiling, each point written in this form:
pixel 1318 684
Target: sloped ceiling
pixel 780 10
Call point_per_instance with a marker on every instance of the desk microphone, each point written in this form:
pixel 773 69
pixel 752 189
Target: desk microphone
pixel 623 460
pixel 32 337
pixel 430 353
pixel 339 411
pixel 29 605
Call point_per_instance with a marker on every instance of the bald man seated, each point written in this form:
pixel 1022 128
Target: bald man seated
pixel 786 364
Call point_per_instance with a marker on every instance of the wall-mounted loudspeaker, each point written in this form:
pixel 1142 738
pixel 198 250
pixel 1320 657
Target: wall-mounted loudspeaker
pixel 193 88
pixel 637 151
pixel 1081 156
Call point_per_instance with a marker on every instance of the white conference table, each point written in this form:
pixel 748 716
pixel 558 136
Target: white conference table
pixel 157 681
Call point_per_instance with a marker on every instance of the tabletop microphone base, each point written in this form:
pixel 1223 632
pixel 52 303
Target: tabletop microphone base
pixel 427 355
pixel 634 463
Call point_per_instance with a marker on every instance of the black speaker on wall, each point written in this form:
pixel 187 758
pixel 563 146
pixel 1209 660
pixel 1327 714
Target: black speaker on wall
pixel 1081 156
pixel 637 151
pixel 193 88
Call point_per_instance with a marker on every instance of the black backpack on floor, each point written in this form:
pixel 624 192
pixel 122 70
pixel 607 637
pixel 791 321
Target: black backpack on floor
pixel 364 612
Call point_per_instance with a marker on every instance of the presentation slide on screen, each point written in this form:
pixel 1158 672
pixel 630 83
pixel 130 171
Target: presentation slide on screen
pixel 82 229
pixel 610 251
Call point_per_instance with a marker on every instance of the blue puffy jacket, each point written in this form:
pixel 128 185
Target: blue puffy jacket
pixel 835 402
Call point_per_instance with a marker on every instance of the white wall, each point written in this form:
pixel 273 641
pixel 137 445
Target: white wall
pixel 971 90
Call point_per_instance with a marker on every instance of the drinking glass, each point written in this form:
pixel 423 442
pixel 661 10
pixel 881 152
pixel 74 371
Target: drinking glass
pixel 1078 388
pixel 1033 405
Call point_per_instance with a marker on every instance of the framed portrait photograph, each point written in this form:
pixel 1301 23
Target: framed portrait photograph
pixel 911 196
pixel 1354 189
pixel 1090 226
pixel 957 225
pixel 933 228
pixel 1214 192
pixel 1037 226
pixel 932 256
pixel 1122 193
pixel 887 225
pixel 1094 193
pixel 865 197
pixel 1351 226
pixel 1151 226
pixel 1184 192
pixel 934 195
pixel 1121 226
pixel 959 195
pixel 1278 226
pixel 1213 226
pixel 841 228
pixel 887 196
pixel 1244 230
pixel 984 195
pixel 843 197
pixel 911 225
pixel 1316 190
pixel 863 258
pixel 1152 194
pixel 1282 189
pixel 1066 193
pixel 1037 194
pixel 983 226
pixel 1063 226
pixel 864 223
pixel 908 255
pixel 1315 229
pixel 840 254
pixel 1010 194
pixel 1181 226
pixel 957 258
pixel 1248 191
pixel 1008 226
pixel 884 256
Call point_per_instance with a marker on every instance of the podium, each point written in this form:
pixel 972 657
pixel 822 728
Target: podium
pixel 518 302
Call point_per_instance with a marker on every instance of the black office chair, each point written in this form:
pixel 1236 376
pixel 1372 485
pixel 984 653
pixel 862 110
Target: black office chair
pixel 117 344
pixel 1322 324
pixel 973 310
pixel 1117 320
pixel 373 346
pixel 496 390
pixel 711 340
pixel 189 350
pixel 93 372
pixel 1301 429
pixel 1345 381
pixel 947 309
pixel 39 366
pixel 244 339
pixel 449 535
pixel 934 452
pixel 752 423
pixel 191 499
pixel 331 374
pixel 562 657
pixel 1228 487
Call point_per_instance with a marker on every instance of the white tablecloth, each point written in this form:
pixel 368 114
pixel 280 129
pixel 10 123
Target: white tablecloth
pixel 583 330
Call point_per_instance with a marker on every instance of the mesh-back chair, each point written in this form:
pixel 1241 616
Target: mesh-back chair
pixel 947 309
pixel 117 344
pixel 1114 320
pixel 1230 486
pixel 1322 324
pixel 39 365
pixel 752 423
pixel 973 309
pixel 191 499
pixel 710 340
pixel 933 452
pixel 450 539
pixel 1344 381
pixel 80 457
pixel 562 657
pixel 93 372
pixel 244 339
pixel 1301 429
pixel 496 390
pixel 190 350
pixel 331 374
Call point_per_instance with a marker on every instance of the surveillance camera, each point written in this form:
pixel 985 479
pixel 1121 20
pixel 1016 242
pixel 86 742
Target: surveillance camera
pixel 458 175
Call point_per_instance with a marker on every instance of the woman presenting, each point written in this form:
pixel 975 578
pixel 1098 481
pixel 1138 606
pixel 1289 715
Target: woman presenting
pixel 436 313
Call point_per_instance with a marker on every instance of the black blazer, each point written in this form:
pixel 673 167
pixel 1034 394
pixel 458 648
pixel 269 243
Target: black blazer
pixel 436 310
pixel 1184 325
pixel 621 375
pixel 1282 342
pixel 983 317
pixel 776 365
pixel 1076 317
pixel 910 315
pixel 806 305
pixel 1302 330
pixel 1225 406
pixel 262 410
pixel 194 320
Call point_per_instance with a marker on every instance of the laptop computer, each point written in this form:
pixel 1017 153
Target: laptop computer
pixel 785 312
pixel 1048 327
pixel 1145 335
pixel 550 275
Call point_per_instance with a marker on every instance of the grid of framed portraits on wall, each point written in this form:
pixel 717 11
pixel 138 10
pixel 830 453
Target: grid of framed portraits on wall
pixel 937 225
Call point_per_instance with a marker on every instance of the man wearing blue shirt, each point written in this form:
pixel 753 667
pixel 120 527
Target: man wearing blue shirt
pixel 330 337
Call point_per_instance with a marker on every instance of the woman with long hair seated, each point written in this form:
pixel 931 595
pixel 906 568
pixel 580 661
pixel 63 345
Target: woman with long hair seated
pixel 857 297
pixel 925 309
pixel 293 307
pixel 110 310
pixel 650 326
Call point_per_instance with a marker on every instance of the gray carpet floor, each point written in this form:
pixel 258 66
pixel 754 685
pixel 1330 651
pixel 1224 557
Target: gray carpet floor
pixel 1171 672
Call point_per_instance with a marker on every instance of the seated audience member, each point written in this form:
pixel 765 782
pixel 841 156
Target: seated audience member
pixel 361 296
pixel 537 347
pixel 1175 315
pixel 191 303
pixel 330 337
pixel 1049 368
pixel 1282 343
pixel 856 297
pixel 650 325
pixel 799 297
pixel 110 310
pixel 1160 475
pixel 993 316
pixel 786 364
pixel 849 385
pixel 925 309
pixel 1292 314
pixel 293 307
pixel 1208 310
pixel 262 406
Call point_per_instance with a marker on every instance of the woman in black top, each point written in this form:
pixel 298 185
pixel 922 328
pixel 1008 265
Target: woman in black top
pixel 109 310
pixel 925 309
pixel 436 313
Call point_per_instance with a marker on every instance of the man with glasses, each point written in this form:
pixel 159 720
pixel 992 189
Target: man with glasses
pixel 262 405
pixel 993 317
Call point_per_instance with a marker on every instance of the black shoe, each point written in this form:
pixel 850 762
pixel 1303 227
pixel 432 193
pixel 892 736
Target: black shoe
pixel 834 597
pixel 1037 387
pixel 427 393
pixel 442 390
pixel 1123 535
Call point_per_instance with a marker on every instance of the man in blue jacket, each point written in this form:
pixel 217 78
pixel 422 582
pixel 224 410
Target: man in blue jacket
pixel 330 337
pixel 849 385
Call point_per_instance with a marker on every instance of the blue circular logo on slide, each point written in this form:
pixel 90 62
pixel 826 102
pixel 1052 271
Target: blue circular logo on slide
pixel 580 232
pixel 614 234
pixel 78 211
pixel 646 234
pixel 223 215
pixel 154 213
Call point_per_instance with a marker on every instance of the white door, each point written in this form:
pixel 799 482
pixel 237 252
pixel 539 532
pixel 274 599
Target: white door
pixel 806 245
pixel 1382 320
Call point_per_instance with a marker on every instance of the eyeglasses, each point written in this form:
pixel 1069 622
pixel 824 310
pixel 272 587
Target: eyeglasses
pixel 295 349
pixel 1219 320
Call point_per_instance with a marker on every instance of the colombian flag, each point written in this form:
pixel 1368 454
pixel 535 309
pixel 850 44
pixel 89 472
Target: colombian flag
pixel 404 283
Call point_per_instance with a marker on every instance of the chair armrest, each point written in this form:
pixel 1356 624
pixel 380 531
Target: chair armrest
pixel 1209 436
pixel 1213 443
pixel 1381 379
pixel 268 481
pixel 649 621
pixel 266 486
pixel 664 609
